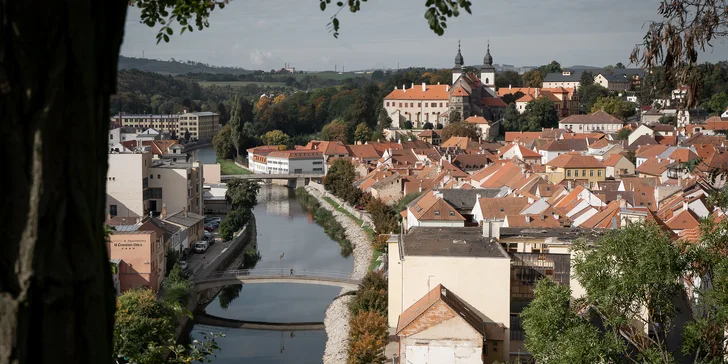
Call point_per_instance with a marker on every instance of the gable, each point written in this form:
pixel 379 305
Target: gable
pixel 453 328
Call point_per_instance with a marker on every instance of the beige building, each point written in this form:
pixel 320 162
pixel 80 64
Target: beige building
pixel 141 254
pixel 164 123
pixel 598 121
pixel 201 125
pixel 581 169
pixel 612 82
pixel 127 184
pixel 137 185
pixel 458 258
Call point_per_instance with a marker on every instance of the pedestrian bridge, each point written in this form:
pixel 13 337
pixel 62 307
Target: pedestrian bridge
pixel 272 275
pixel 258 176
pixel 204 318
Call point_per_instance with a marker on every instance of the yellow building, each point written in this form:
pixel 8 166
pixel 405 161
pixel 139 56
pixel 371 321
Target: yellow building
pixel 581 169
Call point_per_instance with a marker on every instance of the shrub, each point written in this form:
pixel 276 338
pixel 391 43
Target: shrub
pixel 428 125
pixel 408 125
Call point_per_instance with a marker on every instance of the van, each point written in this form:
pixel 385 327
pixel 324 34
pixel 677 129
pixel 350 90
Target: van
pixel 201 247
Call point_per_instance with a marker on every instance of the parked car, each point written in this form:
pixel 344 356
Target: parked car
pixel 201 246
pixel 360 208
pixel 209 236
pixel 183 264
pixel 209 228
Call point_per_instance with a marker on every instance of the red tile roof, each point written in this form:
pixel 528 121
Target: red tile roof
pixel 575 161
pixel 476 120
pixel 432 92
pixel 599 117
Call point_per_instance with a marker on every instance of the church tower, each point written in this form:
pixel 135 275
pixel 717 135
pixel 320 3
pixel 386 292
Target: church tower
pixel 458 69
pixel 487 73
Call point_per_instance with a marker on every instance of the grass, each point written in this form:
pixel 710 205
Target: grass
pixel 241 83
pixel 228 167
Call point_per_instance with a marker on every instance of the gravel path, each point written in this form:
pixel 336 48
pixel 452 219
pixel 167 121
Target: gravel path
pixel 337 315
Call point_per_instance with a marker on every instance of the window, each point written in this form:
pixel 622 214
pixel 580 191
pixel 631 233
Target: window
pixel 151 176
pixel 155 193
pixel 419 104
pixel 400 104
pixel 437 212
pixel 599 173
pixel 568 173
pixel 111 136
pixel 159 176
pixel 434 104
pixel 452 213
pixel 318 162
pixel 441 104
pixel 387 103
pixel 583 172
pixel 591 173
pixel 412 104
pixel 112 210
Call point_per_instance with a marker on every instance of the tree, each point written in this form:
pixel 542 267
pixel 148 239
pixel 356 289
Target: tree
pixel 428 126
pixel 553 67
pixel 335 131
pixel 508 78
pixel 371 295
pixel 383 121
pixel 142 322
pixel 177 288
pixel 540 114
pixel 86 52
pixel 362 132
pixel 455 117
pixel 242 193
pixel 236 126
pixel 513 120
pixel 667 119
pixel 187 135
pixel 460 129
pixel 407 125
pixel 339 177
pixel 384 218
pixel 532 78
pixel 367 338
pixel 623 134
pixel 233 222
pixel 631 277
pixel 276 137
pixel 620 65
pixel 588 95
pixel 717 103
pixel 614 106
pixel 222 143
pixel 587 78
pixel 512 98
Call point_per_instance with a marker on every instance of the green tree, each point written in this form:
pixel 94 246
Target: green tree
pixel 717 103
pixel 623 134
pixel 236 126
pixel 540 114
pixel 460 129
pixel 407 125
pixel 339 177
pixel 233 222
pixel 384 218
pixel 171 258
pixel 620 65
pixel 512 98
pixel 177 287
pixel 371 295
pixel 631 276
pixel 455 117
pixel 588 95
pixel 553 67
pixel 383 121
pixel 668 119
pixel 142 322
pixel 362 133
pixel 508 78
pixel 557 334
pixel 335 131
pixel 404 201
pixel 514 120
pixel 222 143
pixel 532 78
pixel 614 106
pixel 242 193
pixel 587 78
pixel 276 137
pixel 428 125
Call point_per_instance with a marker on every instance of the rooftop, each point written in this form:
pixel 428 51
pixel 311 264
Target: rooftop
pixel 451 242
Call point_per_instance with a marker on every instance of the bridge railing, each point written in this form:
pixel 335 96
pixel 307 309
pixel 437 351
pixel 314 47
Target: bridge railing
pixel 278 272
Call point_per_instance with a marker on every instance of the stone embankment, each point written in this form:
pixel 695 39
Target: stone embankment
pixel 337 315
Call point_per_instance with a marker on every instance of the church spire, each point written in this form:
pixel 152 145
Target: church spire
pixel 459 58
pixel 488 59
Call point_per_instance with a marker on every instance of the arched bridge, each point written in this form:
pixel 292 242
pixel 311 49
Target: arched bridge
pixel 272 275
pixel 204 318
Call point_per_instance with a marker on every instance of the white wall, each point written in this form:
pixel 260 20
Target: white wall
pixel 124 183
pixel 483 283
pixel 279 165
pixel 589 128
pixel 425 109
pixel 174 185
pixel 452 341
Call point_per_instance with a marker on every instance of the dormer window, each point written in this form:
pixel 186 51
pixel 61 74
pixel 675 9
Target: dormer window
pixel 437 212
pixel 452 213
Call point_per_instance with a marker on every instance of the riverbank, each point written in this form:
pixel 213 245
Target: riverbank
pixel 337 316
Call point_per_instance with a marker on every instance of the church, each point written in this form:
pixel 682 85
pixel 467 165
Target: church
pixel 472 97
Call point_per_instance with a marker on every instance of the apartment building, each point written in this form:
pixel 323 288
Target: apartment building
pixel 141 255
pixel 270 160
pixel 201 125
pixel 137 185
pixel 164 123
pixel 598 121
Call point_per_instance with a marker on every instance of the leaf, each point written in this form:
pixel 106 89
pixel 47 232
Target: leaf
pixel 322 5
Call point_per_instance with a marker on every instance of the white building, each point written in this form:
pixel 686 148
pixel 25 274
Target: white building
pixel 122 134
pixel 460 259
pixel 612 82
pixel 598 121
pixel 270 160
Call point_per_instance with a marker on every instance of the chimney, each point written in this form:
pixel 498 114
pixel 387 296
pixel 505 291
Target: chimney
pixel 685 205
pixel 403 88
pixel 510 87
pixel 536 93
pixel 528 219
pixel 424 87
pixel 420 189
pixel 164 211
pixel 413 85
pixel 395 87
pixel 447 87
pixel 184 210
pixel 622 202
pixel 184 111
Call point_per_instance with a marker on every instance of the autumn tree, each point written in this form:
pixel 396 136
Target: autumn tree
pixel 367 338
pixel 460 129
pixel 276 137
pixel 335 131
pixel 384 218
pixel 532 78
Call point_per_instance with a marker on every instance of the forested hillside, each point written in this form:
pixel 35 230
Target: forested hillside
pixel 174 67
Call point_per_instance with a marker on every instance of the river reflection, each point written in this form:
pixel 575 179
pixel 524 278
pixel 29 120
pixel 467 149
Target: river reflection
pixel 286 238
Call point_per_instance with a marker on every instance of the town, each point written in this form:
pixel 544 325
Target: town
pixel 458 216
pixel 486 211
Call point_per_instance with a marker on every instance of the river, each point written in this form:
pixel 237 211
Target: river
pixel 283 228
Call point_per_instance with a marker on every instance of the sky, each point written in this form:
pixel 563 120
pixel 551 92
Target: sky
pixel 391 33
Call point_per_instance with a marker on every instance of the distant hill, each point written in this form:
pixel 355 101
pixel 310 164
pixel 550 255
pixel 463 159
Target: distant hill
pixel 582 67
pixel 174 67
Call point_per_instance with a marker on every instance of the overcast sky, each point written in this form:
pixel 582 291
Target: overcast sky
pixel 267 34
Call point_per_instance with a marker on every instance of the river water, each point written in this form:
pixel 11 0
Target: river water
pixel 287 238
